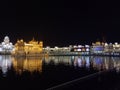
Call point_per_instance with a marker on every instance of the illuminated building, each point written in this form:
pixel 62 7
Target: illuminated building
pixel 80 49
pixel 6 46
pixel 97 47
pixel 19 48
pixel 32 48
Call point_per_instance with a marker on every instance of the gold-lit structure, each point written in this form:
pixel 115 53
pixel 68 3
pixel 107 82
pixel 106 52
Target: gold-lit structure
pixel 19 49
pixel 32 48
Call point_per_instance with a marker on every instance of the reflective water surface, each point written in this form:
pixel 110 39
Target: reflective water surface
pixel 46 72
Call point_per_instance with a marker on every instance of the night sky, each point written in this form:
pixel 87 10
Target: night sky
pixel 60 23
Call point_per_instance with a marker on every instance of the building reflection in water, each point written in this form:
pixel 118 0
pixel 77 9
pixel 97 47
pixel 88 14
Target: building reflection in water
pixel 66 60
pixel 96 62
pixel 99 63
pixel 82 61
pixel 30 64
pixel 5 63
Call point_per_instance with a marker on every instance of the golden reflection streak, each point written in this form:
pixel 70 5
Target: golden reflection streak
pixel 30 64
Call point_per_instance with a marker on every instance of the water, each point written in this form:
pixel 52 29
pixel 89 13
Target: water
pixel 47 72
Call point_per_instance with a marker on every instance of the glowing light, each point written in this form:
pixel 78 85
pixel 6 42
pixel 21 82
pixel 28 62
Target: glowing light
pixel 78 49
pixel 87 49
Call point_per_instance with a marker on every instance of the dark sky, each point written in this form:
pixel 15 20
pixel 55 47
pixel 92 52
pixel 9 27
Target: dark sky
pixel 60 22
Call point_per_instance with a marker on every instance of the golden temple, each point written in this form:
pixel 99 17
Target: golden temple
pixel 32 48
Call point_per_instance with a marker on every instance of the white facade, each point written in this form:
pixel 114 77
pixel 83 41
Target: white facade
pixel 6 47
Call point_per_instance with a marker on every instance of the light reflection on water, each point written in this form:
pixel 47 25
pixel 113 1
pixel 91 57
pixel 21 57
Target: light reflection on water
pixel 27 64
pixel 96 62
pixel 32 64
pixel 5 63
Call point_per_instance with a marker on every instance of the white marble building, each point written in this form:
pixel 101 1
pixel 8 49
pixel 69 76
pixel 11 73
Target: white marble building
pixel 6 47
